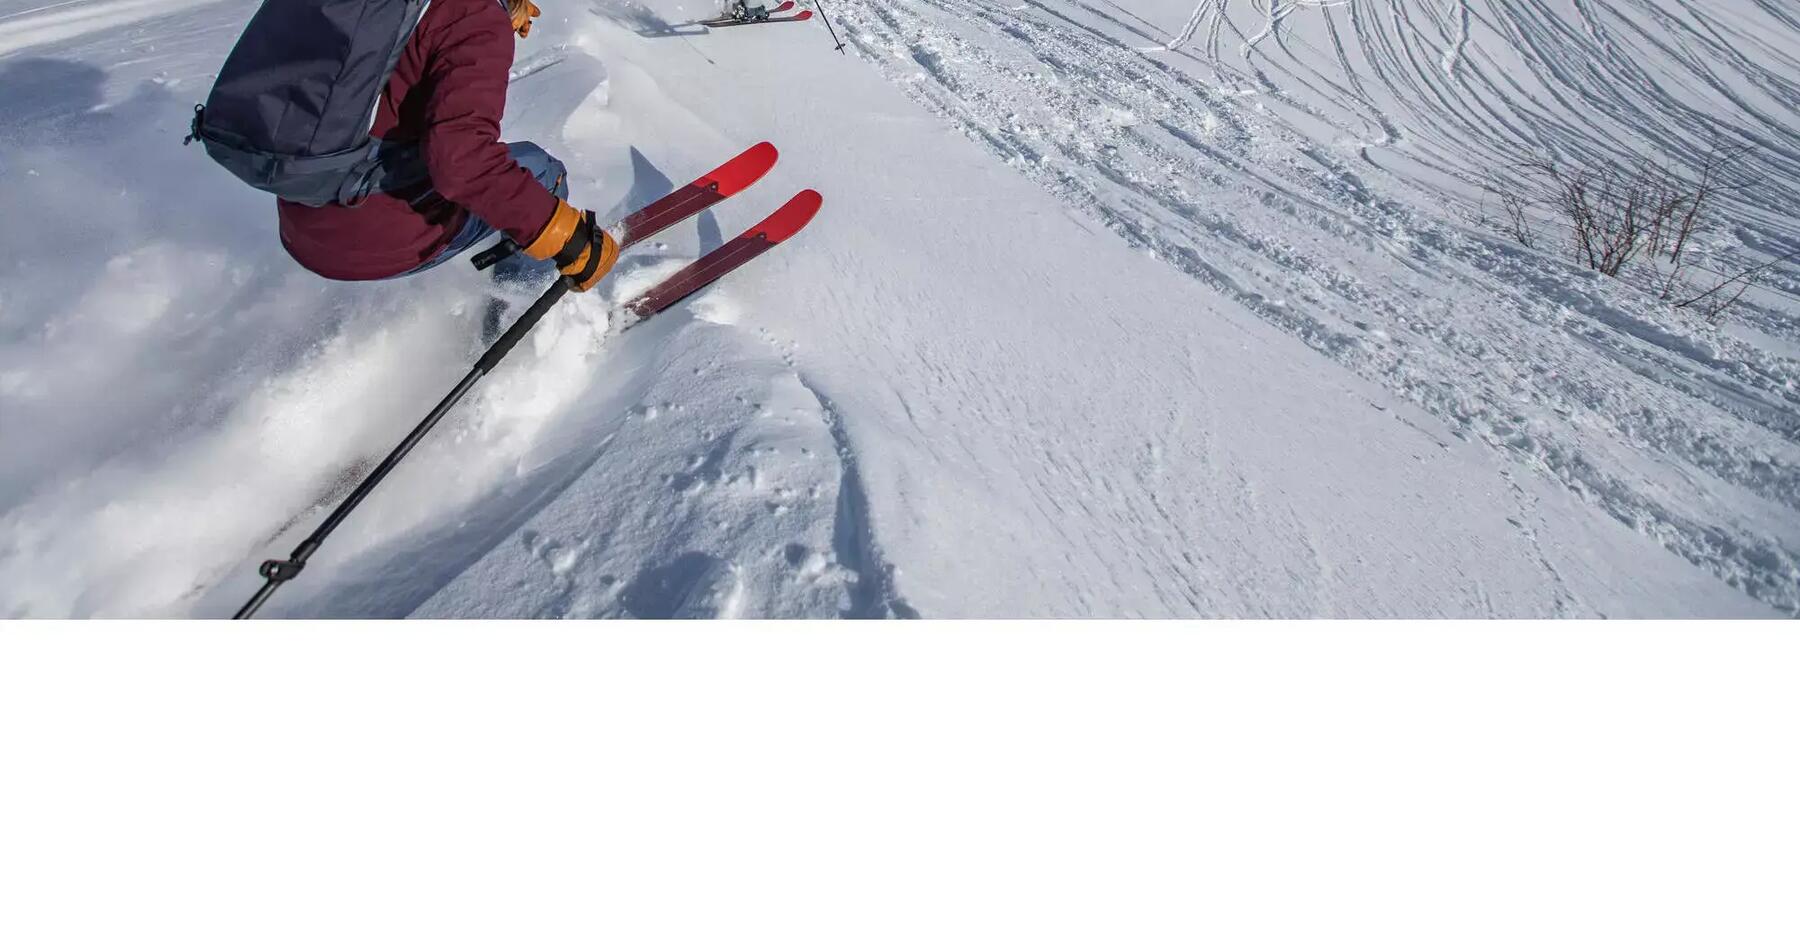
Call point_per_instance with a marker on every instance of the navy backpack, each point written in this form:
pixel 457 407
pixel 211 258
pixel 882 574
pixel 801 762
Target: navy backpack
pixel 291 110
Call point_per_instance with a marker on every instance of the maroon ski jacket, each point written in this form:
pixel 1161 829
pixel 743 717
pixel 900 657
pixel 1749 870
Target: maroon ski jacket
pixel 446 93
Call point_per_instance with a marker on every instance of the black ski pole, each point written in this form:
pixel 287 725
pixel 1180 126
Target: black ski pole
pixel 821 5
pixel 277 572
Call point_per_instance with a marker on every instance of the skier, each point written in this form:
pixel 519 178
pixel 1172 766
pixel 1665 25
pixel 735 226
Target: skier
pixel 445 96
pixel 748 11
pixel 753 12
pixel 376 125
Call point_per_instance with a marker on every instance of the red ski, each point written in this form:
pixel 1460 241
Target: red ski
pixel 726 180
pixel 778 227
pixel 708 189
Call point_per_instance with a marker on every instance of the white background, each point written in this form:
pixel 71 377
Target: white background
pixel 827 775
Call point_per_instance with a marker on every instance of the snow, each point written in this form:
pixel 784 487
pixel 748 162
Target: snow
pixel 1084 328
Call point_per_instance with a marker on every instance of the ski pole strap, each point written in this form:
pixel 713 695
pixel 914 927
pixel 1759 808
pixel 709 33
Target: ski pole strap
pixel 596 251
pixel 583 238
pixel 501 251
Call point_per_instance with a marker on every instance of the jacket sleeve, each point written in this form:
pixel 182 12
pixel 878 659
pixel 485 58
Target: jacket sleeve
pixel 468 163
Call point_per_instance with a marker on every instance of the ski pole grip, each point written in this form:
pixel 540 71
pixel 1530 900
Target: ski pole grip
pixel 497 352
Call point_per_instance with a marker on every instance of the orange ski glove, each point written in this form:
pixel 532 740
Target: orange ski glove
pixel 583 251
pixel 522 13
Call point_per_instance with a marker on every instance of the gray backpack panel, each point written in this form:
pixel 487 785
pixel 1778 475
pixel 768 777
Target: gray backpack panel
pixel 292 107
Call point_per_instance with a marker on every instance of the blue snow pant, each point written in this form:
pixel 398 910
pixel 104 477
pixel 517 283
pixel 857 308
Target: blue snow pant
pixel 517 267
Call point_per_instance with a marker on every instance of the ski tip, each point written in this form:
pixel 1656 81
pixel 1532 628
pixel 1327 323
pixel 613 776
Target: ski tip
pixel 791 217
pixel 802 16
pixel 740 172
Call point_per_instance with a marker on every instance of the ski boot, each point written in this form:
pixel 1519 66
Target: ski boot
pixel 748 11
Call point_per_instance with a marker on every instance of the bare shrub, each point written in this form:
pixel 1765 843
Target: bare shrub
pixel 1516 216
pixel 1609 210
pixel 1616 214
pixel 1714 302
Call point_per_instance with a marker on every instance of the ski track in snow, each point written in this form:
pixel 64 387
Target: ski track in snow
pixel 1317 203
pixel 61 22
pixel 1453 54
pixel 1202 10
pixel 198 402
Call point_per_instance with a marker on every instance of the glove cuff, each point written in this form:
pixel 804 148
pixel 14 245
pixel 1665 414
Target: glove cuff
pixel 594 262
pixel 557 233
